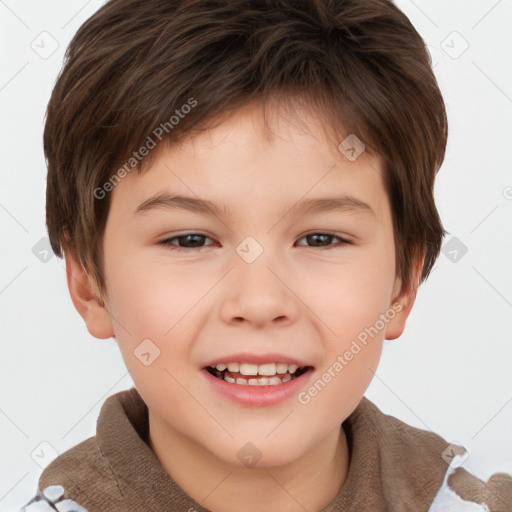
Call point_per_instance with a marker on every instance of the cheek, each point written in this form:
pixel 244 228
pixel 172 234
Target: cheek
pixel 150 297
pixel 349 297
pixel 150 303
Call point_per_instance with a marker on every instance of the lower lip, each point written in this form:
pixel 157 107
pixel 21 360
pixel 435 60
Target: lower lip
pixel 258 396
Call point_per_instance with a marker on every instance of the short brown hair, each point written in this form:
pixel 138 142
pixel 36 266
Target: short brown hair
pixel 358 63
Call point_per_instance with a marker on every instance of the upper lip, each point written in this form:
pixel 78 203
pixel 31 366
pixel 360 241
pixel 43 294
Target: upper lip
pixel 245 357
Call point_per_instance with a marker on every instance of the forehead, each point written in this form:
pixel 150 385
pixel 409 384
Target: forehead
pixel 247 158
pixel 281 126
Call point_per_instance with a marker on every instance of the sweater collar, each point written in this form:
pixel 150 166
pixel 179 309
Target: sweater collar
pixel 391 463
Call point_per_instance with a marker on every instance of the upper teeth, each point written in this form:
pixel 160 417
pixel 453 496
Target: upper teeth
pixel 267 369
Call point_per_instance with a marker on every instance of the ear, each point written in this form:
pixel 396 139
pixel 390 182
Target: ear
pixel 86 298
pixel 403 300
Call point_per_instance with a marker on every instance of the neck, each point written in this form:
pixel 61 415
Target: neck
pixel 310 482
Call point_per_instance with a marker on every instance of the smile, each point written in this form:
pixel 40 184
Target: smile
pixel 247 374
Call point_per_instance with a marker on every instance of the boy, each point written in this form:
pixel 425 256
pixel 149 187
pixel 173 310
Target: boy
pixel 243 193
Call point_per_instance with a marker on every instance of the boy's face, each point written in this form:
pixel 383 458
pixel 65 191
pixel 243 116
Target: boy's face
pixel 253 281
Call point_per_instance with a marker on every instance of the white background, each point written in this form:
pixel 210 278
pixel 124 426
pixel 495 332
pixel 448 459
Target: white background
pixel 451 370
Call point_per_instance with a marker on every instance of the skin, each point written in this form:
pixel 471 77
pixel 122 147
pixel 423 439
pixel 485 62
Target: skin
pixel 300 299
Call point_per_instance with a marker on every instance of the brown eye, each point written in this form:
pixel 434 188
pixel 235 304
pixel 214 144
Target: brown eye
pixel 323 239
pixel 188 241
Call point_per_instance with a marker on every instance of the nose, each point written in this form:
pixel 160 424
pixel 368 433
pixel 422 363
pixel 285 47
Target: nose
pixel 258 294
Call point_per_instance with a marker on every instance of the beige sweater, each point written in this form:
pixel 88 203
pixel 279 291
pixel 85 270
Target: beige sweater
pixel 393 467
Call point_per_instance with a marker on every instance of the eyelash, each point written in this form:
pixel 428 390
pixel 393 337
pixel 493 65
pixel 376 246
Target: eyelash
pixel 167 242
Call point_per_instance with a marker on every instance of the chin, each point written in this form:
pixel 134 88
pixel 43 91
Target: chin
pixel 258 452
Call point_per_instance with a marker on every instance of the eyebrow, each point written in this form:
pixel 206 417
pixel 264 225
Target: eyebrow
pixel 321 205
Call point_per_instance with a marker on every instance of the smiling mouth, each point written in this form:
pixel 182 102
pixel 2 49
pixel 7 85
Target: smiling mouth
pixel 270 374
